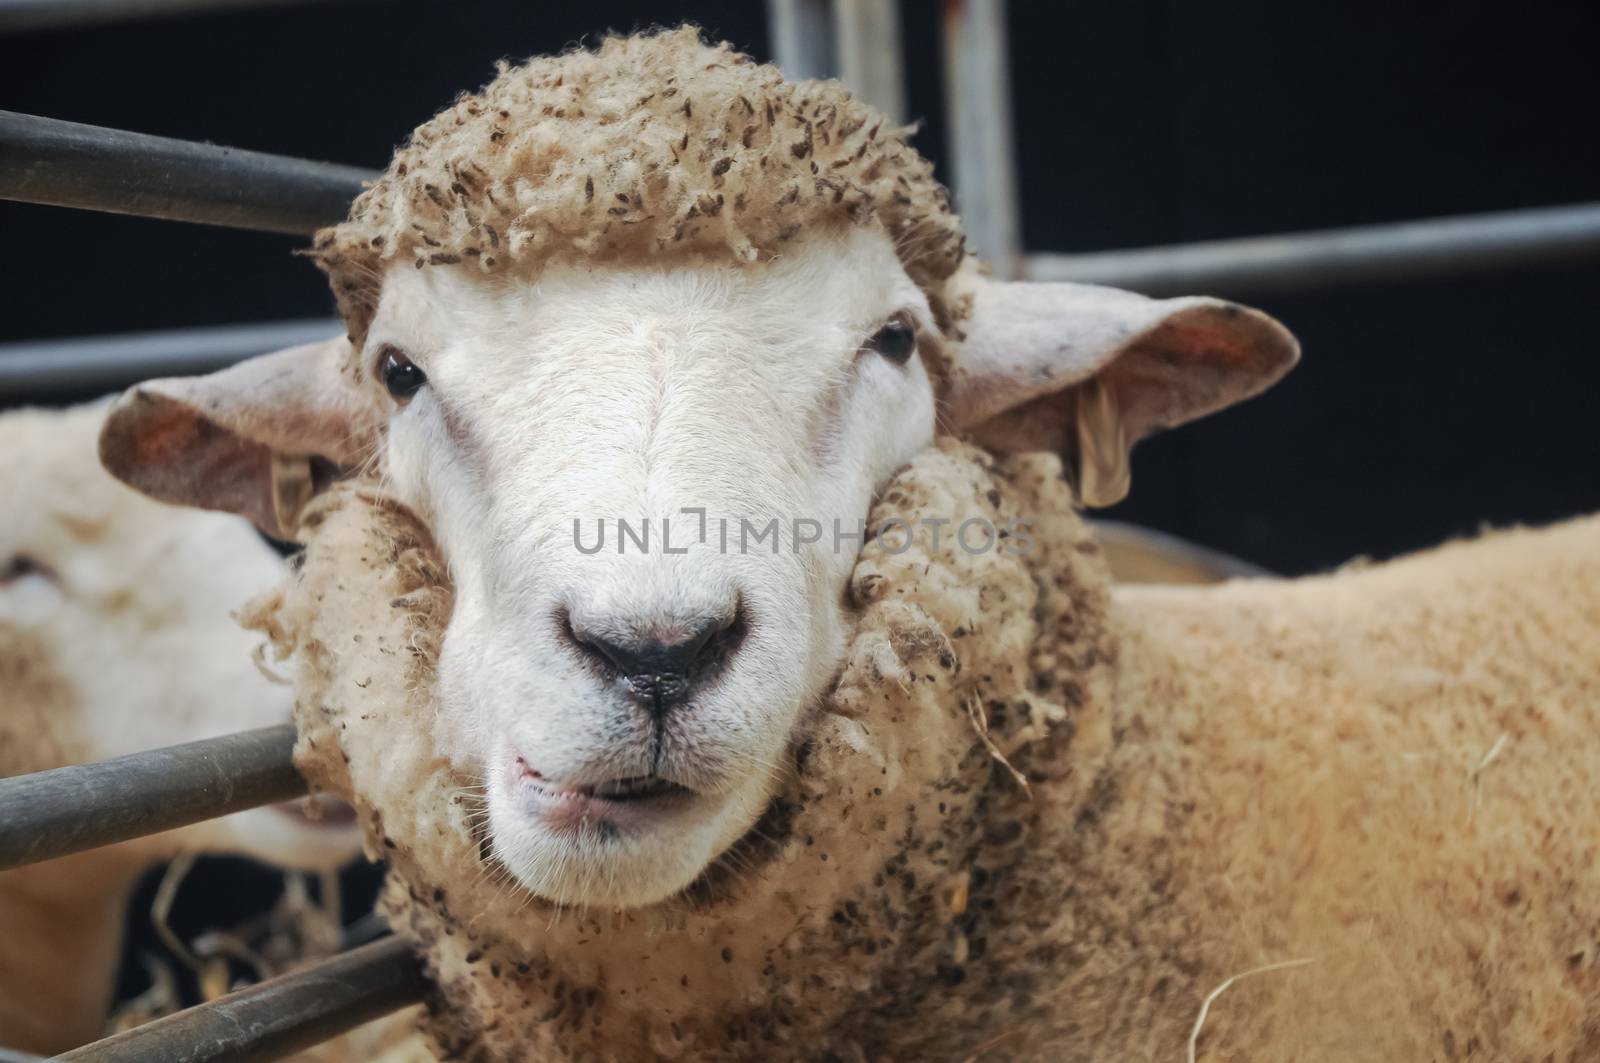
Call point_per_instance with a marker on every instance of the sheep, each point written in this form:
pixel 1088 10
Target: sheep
pixel 753 779
pixel 1041 816
pixel 115 637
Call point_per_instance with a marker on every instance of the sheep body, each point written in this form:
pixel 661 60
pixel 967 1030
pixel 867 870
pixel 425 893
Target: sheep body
pixel 115 637
pixel 1388 772
pixel 1216 779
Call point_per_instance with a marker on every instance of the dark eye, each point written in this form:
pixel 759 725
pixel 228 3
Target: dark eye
pixel 400 375
pixel 22 565
pixel 896 340
pixel 282 547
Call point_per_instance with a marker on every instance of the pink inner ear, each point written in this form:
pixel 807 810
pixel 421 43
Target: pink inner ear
pixel 1167 361
pixel 170 452
pixel 1200 360
pixel 166 433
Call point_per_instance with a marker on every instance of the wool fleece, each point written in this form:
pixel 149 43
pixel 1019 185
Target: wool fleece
pixel 1037 818
pixel 651 148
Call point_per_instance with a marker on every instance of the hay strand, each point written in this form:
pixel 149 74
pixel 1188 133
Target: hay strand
pixel 1205 1005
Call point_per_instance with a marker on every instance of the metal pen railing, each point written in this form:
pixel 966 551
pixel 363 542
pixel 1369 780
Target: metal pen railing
pixel 24 16
pixel 67 810
pixel 977 101
pixel 51 814
pixel 1365 254
pixel 277 1017
pixel 65 164
pixel 106 363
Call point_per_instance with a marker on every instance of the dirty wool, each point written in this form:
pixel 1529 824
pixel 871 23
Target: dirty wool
pixel 1036 817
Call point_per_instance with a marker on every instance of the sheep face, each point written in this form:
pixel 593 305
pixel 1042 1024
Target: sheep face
pixel 667 664
pixel 627 697
pixel 636 336
pixel 115 634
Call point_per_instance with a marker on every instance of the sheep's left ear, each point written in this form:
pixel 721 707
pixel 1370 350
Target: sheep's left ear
pixel 1087 371
pixel 256 439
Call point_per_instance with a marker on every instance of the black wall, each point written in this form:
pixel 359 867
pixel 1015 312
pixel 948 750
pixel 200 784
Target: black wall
pixel 1420 410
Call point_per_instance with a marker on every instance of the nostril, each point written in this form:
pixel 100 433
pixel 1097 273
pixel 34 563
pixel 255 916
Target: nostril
pixel 661 663
pixel 676 651
pixel 691 646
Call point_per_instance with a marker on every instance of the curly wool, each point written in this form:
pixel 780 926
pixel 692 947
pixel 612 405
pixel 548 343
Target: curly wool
pixel 652 148
pixel 1387 773
pixel 901 850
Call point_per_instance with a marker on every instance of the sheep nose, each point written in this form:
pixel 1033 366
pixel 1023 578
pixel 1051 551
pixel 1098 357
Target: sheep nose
pixel 661 665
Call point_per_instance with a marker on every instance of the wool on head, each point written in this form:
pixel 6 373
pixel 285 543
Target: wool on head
pixel 655 148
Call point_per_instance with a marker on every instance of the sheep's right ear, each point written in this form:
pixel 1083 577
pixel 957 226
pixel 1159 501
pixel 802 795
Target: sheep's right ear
pixel 254 439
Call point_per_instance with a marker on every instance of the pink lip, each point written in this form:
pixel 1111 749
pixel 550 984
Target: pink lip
pixel 635 803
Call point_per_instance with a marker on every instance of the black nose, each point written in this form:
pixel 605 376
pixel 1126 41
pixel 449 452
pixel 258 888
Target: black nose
pixel 661 665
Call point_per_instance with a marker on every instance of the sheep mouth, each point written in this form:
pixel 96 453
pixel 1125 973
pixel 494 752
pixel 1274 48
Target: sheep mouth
pixel 633 788
pixel 609 797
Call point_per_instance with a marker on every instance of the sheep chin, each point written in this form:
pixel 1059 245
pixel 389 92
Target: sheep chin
pixel 581 850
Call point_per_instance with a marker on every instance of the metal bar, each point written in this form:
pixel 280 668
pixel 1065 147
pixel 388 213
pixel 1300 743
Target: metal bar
pixel 278 1017
pixel 66 810
pixel 24 15
pixel 1435 247
pixel 870 59
pixel 801 34
pixel 977 94
pixel 105 363
pixel 65 164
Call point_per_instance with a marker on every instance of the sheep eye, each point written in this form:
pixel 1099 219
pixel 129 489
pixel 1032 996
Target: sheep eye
pixel 896 340
pixel 400 375
pixel 281 547
pixel 22 566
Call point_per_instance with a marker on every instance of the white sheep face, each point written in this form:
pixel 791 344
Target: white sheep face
pixel 746 394
pixel 629 702
pixel 120 608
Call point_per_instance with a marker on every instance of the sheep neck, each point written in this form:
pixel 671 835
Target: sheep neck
pixel 62 918
pixel 921 827
pixel 58 956
pixel 38 724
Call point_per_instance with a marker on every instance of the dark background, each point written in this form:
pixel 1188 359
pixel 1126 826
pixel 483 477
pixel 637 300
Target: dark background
pixel 1420 411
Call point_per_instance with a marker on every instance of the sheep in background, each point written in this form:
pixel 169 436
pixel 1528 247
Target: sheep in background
pixel 790 802
pixel 115 637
